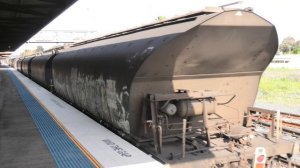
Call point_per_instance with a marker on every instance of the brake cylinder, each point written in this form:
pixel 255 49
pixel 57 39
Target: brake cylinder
pixel 186 108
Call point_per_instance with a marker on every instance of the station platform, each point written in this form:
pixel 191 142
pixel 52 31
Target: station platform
pixel 37 129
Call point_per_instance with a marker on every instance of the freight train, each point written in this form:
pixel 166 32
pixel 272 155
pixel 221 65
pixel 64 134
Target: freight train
pixel 178 89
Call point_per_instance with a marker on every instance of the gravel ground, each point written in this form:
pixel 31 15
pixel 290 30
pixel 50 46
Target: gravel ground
pixel 283 108
pixel 264 130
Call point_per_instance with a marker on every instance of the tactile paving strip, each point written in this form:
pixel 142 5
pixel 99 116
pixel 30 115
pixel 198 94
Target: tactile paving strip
pixel 65 153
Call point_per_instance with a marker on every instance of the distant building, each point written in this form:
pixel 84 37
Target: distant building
pixel 286 61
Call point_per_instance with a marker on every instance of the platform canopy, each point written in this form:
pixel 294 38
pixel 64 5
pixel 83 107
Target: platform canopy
pixel 21 19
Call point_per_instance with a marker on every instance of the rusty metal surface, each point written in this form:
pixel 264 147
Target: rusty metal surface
pixel 212 56
pixel 114 74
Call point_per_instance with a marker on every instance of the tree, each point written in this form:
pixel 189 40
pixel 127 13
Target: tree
pixel 296 50
pixel 287 45
pixel 284 48
pixel 39 49
pixel 296 47
pixel 26 53
pixel 297 43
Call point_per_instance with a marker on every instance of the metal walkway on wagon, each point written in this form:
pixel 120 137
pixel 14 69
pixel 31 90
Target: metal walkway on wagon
pixel 29 137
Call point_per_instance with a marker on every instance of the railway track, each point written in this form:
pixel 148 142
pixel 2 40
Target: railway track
pixel 289 122
pixel 290 126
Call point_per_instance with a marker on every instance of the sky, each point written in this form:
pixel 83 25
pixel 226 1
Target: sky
pixel 108 16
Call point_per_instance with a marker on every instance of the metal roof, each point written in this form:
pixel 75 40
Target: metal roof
pixel 21 19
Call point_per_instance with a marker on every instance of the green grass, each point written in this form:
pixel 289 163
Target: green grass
pixel 280 85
